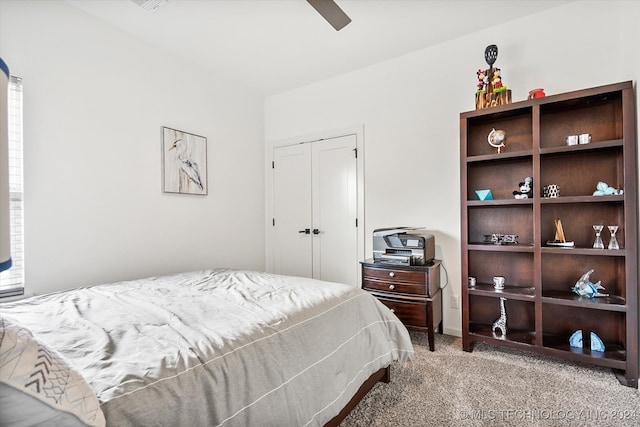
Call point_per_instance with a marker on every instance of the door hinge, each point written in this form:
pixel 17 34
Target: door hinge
pixel 356 222
pixel 355 151
pixel 273 164
pixel 273 221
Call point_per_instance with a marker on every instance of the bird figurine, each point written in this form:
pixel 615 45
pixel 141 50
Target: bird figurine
pixel 187 166
pixel 585 288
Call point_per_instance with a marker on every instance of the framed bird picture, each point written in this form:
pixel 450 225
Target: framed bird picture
pixel 184 162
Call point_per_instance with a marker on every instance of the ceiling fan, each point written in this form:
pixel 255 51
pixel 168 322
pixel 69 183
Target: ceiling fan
pixel 327 8
pixel 331 12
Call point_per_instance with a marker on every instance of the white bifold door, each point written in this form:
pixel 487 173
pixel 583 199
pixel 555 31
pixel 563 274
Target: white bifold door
pixel 315 210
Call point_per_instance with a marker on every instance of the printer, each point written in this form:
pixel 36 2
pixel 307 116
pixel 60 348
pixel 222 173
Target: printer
pixel 403 246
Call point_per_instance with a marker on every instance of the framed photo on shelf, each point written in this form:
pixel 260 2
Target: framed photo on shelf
pixel 184 162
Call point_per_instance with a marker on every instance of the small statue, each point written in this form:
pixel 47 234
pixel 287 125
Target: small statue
pixel 482 80
pixel 603 189
pixel 501 322
pixel 497 81
pixel 526 189
pixel 559 239
pixel 585 288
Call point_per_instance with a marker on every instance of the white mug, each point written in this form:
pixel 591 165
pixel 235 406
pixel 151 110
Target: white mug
pixel 498 282
pixel 572 140
pixel 584 138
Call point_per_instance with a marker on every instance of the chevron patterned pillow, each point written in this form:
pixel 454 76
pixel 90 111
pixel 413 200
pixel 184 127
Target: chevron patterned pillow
pixel 28 367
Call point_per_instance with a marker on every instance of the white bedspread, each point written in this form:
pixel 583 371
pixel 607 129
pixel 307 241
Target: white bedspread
pixel 218 347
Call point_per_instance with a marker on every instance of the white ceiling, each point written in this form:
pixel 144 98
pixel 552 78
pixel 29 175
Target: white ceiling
pixel 271 46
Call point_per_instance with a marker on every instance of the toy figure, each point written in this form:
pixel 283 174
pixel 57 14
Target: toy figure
pixel 482 80
pixel 526 189
pixel 497 81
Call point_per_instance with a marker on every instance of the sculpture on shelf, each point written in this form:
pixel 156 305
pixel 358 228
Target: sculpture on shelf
pixel 585 288
pixel 497 139
pixel 559 239
pixel 525 190
pixel 490 90
pixel 603 189
pixel 576 341
pixel 501 322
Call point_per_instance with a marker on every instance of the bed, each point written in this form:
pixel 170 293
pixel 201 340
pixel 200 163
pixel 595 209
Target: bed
pixel 218 347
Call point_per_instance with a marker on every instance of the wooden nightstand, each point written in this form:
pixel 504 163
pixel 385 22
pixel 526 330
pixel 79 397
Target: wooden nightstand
pixel 411 292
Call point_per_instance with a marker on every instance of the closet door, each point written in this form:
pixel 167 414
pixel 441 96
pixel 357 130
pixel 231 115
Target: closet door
pixel 334 192
pixel 315 189
pixel 292 210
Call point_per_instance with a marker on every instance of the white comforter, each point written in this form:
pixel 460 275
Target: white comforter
pixel 219 347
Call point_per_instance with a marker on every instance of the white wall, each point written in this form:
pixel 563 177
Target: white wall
pixel 95 100
pixel 410 110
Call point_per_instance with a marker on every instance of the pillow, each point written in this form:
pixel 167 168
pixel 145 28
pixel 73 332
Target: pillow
pixel 41 384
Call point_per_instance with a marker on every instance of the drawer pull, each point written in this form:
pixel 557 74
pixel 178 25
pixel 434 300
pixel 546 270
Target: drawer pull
pixel 392 274
pixel 392 287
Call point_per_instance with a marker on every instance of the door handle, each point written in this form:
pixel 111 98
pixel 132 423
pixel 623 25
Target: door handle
pixel 316 231
pixel 305 231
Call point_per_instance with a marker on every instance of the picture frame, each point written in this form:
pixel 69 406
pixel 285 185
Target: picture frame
pixel 184 162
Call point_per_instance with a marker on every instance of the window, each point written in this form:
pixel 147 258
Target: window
pixel 12 280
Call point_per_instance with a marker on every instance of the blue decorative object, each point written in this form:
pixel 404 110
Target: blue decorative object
pixel 585 288
pixel 596 343
pixel 484 194
pixel 603 189
pixel 576 341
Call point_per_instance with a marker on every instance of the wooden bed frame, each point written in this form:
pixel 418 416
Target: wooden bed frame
pixel 382 375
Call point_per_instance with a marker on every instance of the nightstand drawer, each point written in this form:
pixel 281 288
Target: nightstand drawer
pixel 410 313
pixel 393 287
pixel 394 275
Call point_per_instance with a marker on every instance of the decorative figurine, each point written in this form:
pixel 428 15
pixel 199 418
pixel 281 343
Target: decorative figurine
pixel 585 288
pixel 559 239
pixel 501 322
pixel 526 189
pixel 603 189
pixel 497 138
pixel 490 90
pixel 576 341
pixel 497 81
pixel 482 80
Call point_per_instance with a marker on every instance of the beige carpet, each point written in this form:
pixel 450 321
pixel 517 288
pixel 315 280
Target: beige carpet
pixel 494 386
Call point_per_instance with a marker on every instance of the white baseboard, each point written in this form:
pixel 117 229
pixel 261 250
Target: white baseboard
pixel 452 332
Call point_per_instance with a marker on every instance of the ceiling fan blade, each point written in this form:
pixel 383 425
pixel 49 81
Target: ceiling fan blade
pixel 331 12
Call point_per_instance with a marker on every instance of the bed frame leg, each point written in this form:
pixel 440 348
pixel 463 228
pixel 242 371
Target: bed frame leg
pixel 382 375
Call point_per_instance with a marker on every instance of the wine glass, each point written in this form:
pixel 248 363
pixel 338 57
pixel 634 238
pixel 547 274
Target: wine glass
pixel 613 243
pixel 598 244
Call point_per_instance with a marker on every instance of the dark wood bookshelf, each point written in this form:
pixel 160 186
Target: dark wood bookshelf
pixel 541 310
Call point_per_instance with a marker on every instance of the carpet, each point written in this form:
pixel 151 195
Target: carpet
pixel 494 386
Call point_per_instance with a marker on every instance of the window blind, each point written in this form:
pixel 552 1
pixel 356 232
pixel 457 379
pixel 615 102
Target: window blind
pixel 12 280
